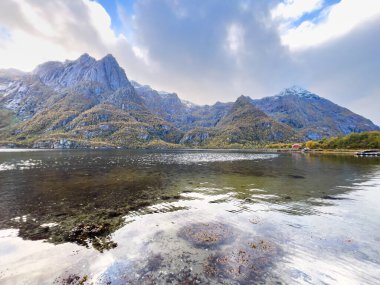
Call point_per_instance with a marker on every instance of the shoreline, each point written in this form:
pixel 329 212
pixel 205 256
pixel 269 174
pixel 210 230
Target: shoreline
pixel 269 150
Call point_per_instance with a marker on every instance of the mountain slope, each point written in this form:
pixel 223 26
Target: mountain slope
pixel 312 116
pixel 85 100
pixel 184 115
pixel 243 124
pixel 88 102
pixel 164 104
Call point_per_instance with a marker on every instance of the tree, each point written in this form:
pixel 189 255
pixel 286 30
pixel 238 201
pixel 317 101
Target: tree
pixel 312 144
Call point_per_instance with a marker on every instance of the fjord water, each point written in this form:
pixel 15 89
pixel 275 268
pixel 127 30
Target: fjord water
pixel 191 217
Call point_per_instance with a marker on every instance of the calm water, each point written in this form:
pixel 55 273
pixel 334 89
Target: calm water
pixel 188 217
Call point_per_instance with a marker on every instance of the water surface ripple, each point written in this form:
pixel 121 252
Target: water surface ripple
pixel 188 217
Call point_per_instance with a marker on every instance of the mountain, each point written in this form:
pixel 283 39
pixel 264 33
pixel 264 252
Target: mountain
pixel 313 117
pixel 88 102
pixel 80 103
pixel 106 73
pixel 245 122
pixel 164 104
pixel 242 124
pixel 183 114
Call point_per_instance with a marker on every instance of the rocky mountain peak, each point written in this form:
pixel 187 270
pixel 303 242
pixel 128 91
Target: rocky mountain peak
pixel 105 72
pixel 113 73
pixel 241 100
pixel 86 58
pixel 243 108
pixel 110 58
pixel 148 90
pixel 298 91
pixel 245 102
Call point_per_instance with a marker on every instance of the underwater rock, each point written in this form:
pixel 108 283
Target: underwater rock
pixel 248 263
pixel 151 271
pixel 207 235
pixel 72 279
pixel 33 230
pixel 328 197
pixel 296 176
pixel 83 232
pixel 96 234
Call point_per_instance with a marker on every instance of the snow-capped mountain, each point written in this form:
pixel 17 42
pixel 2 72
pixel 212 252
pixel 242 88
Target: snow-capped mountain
pixel 312 116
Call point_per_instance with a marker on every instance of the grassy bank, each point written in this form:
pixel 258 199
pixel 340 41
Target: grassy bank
pixel 347 144
pixel 350 143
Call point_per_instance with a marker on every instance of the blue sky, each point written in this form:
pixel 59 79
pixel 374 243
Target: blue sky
pixel 210 50
pixel 112 7
pixel 315 14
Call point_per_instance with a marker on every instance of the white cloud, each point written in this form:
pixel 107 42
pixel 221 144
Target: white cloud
pixel 13 52
pixel 294 9
pixel 235 38
pixel 141 53
pixel 55 30
pixel 212 50
pixel 337 21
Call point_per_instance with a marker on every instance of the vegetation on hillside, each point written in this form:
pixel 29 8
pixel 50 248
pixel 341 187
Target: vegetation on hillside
pixel 7 118
pixel 245 124
pixel 365 140
pixel 279 145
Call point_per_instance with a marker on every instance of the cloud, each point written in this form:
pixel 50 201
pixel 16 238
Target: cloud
pixel 39 31
pixel 217 50
pixel 345 69
pixel 235 38
pixel 334 21
pixel 212 50
pixel 294 9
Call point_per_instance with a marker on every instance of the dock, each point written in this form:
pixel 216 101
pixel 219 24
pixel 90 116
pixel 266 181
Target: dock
pixel 368 153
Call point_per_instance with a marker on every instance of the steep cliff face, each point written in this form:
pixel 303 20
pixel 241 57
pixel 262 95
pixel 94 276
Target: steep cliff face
pixel 105 72
pixel 311 115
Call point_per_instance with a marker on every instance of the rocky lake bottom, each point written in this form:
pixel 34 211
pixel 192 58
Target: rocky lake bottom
pixel 188 217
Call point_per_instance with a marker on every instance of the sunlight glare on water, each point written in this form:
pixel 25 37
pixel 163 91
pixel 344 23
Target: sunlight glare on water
pixel 188 217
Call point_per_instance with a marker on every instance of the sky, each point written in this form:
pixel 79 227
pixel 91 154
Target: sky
pixel 210 50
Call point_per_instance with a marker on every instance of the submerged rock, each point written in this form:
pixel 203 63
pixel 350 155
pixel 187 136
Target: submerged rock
pixel 94 233
pixel 207 235
pixel 328 197
pixel 249 263
pixel 151 270
pixel 33 230
pixel 296 176
pixel 72 279
pixel 69 229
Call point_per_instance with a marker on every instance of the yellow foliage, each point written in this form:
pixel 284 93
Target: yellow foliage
pixel 312 144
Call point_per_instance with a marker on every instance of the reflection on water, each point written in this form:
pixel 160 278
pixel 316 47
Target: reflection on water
pixel 188 217
pixel 20 165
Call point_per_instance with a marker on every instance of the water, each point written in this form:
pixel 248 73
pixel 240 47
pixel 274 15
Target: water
pixel 188 217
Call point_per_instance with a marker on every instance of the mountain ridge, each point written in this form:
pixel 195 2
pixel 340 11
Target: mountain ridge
pixel 313 116
pixel 88 101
